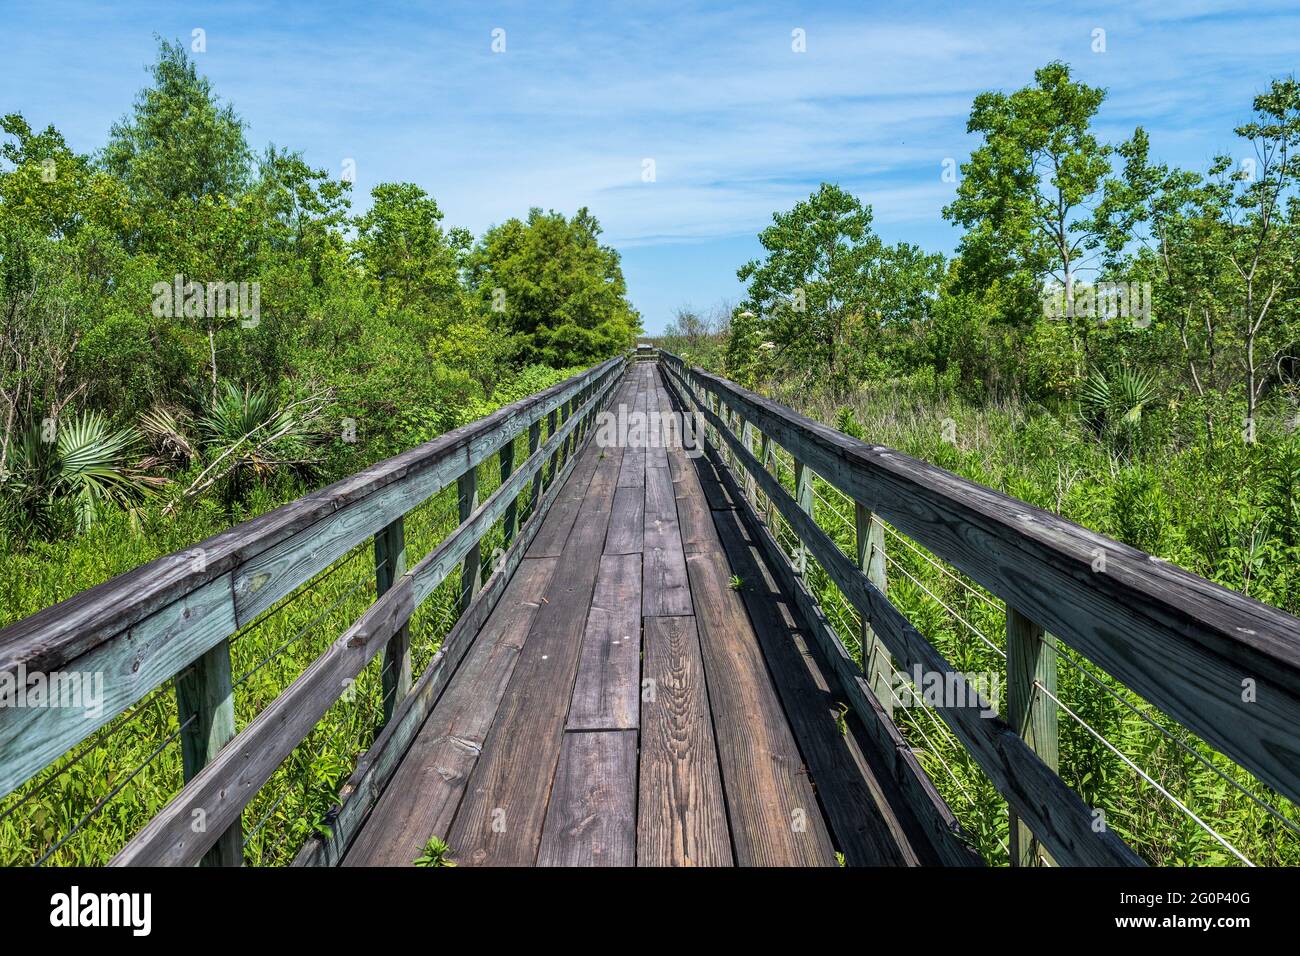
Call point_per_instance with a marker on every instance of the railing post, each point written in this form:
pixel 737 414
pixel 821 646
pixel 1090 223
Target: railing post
pixel 568 439
pixel 877 667
pixel 751 483
pixel 551 417
pixel 470 569
pixel 510 520
pixel 535 442
pixel 390 564
pixel 205 698
pixel 1031 661
pixel 765 456
pixel 803 496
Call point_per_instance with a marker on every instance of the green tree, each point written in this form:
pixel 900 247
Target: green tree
pixel 813 278
pixel 180 144
pixel 408 258
pixel 1030 193
pixel 550 283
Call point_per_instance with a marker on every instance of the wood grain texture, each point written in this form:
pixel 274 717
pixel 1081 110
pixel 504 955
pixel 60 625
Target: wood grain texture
pixel 665 591
pixel 607 691
pixel 427 788
pixel 501 816
pixel 591 818
pixel 627 520
pixel 681 813
pixel 775 819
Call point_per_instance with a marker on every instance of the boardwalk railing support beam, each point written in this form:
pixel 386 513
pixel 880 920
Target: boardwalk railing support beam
pixel 506 467
pixel 803 496
pixel 1031 666
pixel 534 442
pixel 205 699
pixel 471 568
pixel 551 420
pixel 766 457
pixel 390 564
pixel 877 666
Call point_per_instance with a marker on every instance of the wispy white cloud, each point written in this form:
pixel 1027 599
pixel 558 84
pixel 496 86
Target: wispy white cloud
pixel 737 123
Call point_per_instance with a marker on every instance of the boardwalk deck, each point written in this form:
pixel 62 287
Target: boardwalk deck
pixel 624 704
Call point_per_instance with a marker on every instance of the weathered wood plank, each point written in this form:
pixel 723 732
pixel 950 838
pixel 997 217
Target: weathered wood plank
pixel 681 813
pixel 426 789
pixel 390 564
pixel 693 513
pixel 501 816
pixel 666 592
pixel 627 520
pixel 608 686
pixel 591 818
pixel 877 666
pixel 1031 668
pixel 775 819
pixel 561 516
pixel 471 570
pixel 205 712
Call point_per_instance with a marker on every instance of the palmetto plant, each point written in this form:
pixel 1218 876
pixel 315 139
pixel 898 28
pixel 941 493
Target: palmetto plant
pixel 77 465
pixel 1113 403
pixel 1118 398
pixel 242 433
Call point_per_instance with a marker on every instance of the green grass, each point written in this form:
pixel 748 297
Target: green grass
pixel 266 656
pixel 1167 500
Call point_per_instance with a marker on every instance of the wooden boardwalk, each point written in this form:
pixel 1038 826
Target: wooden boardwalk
pixel 646 677
pixel 626 705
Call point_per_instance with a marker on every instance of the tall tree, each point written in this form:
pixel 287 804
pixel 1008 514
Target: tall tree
pixel 813 276
pixel 179 144
pixel 407 255
pixel 551 283
pixel 1029 194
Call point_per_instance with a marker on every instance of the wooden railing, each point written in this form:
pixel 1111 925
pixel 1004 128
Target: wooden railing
pixel 174 617
pixel 1222 665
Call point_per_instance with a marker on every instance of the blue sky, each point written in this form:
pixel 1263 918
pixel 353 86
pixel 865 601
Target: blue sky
pixel 737 123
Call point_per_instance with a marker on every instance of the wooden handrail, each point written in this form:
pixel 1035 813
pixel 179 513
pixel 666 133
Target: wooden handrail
pixel 1224 665
pixel 220 791
pixel 147 625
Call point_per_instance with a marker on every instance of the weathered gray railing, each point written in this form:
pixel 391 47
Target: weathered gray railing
pixel 1221 664
pixel 174 617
